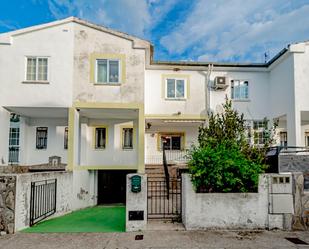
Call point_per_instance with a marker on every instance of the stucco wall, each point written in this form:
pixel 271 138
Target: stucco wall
pixel 84 188
pixel 256 107
pixel 89 41
pixel 113 154
pixel 23 190
pixel 224 210
pixel 55 140
pixel 155 102
pixel 54 42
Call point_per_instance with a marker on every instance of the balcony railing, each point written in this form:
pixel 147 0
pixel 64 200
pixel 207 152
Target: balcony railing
pixel 172 157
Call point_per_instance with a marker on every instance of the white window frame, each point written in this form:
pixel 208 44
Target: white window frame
pixel 260 129
pixel 233 89
pixel 37 68
pixel 185 88
pixel 108 82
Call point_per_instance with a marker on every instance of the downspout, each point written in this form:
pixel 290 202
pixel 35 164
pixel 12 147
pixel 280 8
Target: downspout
pixel 207 96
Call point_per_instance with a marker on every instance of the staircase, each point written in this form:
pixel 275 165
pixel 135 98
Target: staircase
pixel 155 172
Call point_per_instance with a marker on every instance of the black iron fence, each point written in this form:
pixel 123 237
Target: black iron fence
pixel 163 202
pixel 42 200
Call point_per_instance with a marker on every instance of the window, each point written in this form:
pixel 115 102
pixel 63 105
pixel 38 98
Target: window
pixel 248 131
pixel 41 138
pixel 259 128
pixel 283 139
pixel 171 141
pixel 100 138
pixel 66 133
pixel 107 71
pixel 127 138
pixel 37 69
pixel 239 89
pixel 307 138
pixel 175 88
pixel 14 143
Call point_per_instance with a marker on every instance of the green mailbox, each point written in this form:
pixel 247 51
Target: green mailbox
pixel 136 184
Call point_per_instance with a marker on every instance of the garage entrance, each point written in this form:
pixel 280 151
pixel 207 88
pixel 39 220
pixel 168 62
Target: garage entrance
pixel 112 186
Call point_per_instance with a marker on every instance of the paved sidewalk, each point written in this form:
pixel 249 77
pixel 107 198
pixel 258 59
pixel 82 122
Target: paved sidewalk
pixel 155 240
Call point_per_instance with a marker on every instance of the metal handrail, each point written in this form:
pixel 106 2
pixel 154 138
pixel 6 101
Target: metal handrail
pixel 167 175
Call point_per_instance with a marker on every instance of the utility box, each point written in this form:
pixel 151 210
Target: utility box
pixel 136 184
pixel 281 194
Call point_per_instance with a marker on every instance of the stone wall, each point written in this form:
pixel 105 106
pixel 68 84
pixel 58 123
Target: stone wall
pixel 295 162
pixel 301 204
pixel 7 203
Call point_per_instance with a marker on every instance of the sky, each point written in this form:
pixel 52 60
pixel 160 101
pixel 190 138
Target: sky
pixel 182 30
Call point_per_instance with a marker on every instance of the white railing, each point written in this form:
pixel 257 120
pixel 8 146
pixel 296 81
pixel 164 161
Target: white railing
pixel 172 157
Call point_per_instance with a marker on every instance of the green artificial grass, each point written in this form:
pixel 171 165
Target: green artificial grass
pixel 96 219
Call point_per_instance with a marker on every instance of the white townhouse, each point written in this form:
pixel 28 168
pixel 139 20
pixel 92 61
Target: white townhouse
pixel 96 98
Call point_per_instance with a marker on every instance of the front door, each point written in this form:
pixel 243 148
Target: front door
pixel 112 186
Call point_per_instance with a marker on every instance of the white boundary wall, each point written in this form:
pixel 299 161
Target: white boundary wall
pixel 224 210
pixel 23 190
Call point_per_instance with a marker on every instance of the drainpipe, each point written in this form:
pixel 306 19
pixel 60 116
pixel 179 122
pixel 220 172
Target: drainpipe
pixel 207 85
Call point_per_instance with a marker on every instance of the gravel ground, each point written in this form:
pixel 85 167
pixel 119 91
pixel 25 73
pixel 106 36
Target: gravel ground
pixel 154 240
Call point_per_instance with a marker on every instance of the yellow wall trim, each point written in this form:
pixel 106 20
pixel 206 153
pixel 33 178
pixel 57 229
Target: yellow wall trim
pixel 108 105
pixel 96 56
pixel 164 77
pixel 177 117
pixel 107 167
pixel 71 139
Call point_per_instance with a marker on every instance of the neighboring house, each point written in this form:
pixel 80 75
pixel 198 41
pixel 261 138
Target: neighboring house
pixel 96 98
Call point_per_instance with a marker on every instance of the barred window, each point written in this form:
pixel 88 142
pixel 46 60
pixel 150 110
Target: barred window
pixel 41 138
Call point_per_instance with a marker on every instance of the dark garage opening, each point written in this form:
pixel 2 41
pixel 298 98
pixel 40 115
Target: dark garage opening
pixel 112 186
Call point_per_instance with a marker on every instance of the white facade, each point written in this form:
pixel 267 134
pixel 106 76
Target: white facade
pixel 72 97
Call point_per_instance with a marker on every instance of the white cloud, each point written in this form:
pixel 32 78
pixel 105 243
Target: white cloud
pixel 211 30
pixel 136 17
pixel 221 30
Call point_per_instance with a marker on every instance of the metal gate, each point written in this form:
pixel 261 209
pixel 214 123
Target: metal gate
pixel 164 202
pixel 42 200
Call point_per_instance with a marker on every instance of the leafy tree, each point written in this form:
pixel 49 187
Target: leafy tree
pixel 224 161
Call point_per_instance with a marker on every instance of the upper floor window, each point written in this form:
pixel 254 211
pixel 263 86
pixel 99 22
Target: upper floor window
pixel 41 138
pixel 107 71
pixel 37 69
pixel 239 89
pixel 175 88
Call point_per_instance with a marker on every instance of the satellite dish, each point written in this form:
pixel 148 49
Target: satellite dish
pixel 219 109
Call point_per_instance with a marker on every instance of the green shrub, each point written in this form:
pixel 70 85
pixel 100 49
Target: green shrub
pixel 223 161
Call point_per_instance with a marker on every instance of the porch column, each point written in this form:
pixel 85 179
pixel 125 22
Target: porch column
pixel 4 136
pixel 141 140
pixel 294 128
pixel 73 139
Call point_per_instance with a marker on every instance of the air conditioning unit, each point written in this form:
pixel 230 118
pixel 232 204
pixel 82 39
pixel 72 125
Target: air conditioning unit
pixel 220 83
